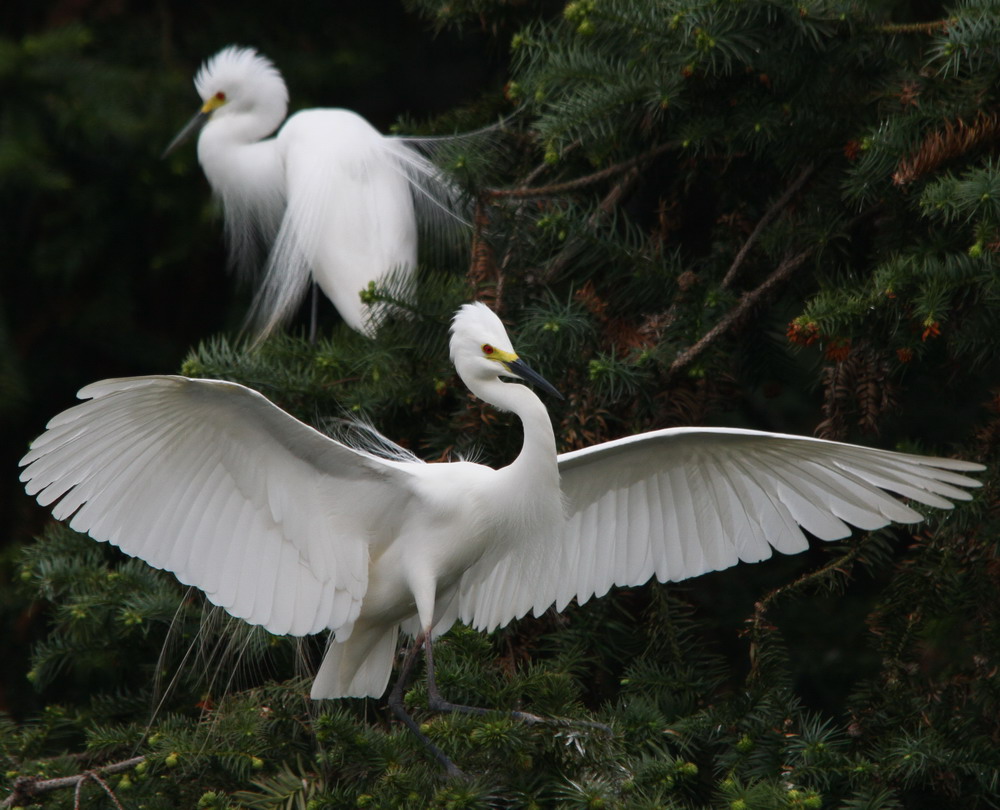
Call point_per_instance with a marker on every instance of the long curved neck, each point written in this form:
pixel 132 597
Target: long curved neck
pixel 531 481
pixel 538 452
pixel 250 172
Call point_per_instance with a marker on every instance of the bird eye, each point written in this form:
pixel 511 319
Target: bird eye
pixel 220 96
pixel 487 349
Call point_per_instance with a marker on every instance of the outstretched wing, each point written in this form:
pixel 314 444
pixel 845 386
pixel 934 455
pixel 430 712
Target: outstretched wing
pixel 680 502
pixel 210 480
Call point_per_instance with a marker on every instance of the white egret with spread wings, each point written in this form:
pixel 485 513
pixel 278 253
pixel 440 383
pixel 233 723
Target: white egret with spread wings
pixel 289 529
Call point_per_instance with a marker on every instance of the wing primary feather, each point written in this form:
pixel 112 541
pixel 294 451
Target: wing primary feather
pixel 691 553
pixel 251 542
pixel 660 541
pixel 87 429
pixel 212 530
pixel 785 535
pixel 739 513
pixel 620 537
pixel 106 469
pixel 100 520
pixel 232 564
pixel 266 581
pixel 286 580
pixel 189 506
pixel 840 493
pixel 733 520
pixel 603 569
pixel 710 530
pixel 848 495
pixel 225 537
pixel 54 480
pixel 926 489
pixel 580 554
pixel 640 565
pixel 792 492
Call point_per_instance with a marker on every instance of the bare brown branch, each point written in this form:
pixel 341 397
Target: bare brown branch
pixel 766 220
pixel 781 273
pixel 28 789
pixel 555 189
pixel 611 201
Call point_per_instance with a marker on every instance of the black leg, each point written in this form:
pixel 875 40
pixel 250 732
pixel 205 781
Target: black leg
pixel 395 700
pixel 439 704
pixel 313 314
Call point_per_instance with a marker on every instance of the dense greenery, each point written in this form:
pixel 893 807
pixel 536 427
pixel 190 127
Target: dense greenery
pixel 761 213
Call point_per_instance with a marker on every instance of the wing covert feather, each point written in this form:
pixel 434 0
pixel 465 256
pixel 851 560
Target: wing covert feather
pixel 211 481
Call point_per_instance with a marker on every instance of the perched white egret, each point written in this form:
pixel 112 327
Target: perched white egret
pixel 329 196
pixel 289 529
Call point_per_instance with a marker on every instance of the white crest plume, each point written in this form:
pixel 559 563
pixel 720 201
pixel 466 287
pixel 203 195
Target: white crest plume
pixel 245 77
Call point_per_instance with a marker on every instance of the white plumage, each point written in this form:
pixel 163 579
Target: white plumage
pixel 329 197
pixel 294 531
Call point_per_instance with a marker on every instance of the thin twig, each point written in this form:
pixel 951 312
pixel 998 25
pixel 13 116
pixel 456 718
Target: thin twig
pixel 765 220
pixel 482 255
pixel 788 266
pixel 842 564
pixel 541 168
pixel 27 789
pixel 555 189
pixel 931 27
pixel 611 201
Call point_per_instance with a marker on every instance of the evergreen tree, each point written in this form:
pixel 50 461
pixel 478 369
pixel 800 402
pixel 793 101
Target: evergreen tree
pixel 762 213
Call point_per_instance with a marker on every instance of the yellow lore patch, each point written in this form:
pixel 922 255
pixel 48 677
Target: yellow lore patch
pixel 214 103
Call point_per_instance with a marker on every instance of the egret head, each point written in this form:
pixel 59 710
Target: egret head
pixel 238 81
pixel 482 352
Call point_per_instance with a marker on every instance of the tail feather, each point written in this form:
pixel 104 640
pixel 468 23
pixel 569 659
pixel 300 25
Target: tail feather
pixel 358 667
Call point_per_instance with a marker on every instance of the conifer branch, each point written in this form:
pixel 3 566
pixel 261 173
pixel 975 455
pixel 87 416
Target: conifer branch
pixel 954 140
pixel 27 789
pixel 764 221
pixel 783 271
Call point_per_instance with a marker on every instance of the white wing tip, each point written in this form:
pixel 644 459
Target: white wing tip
pixel 102 388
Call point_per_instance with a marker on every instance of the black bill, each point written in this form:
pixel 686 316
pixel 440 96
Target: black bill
pixel 528 374
pixel 191 128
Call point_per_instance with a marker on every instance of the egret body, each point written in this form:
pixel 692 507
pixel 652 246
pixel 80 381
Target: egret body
pixel 331 198
pixel 289 529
